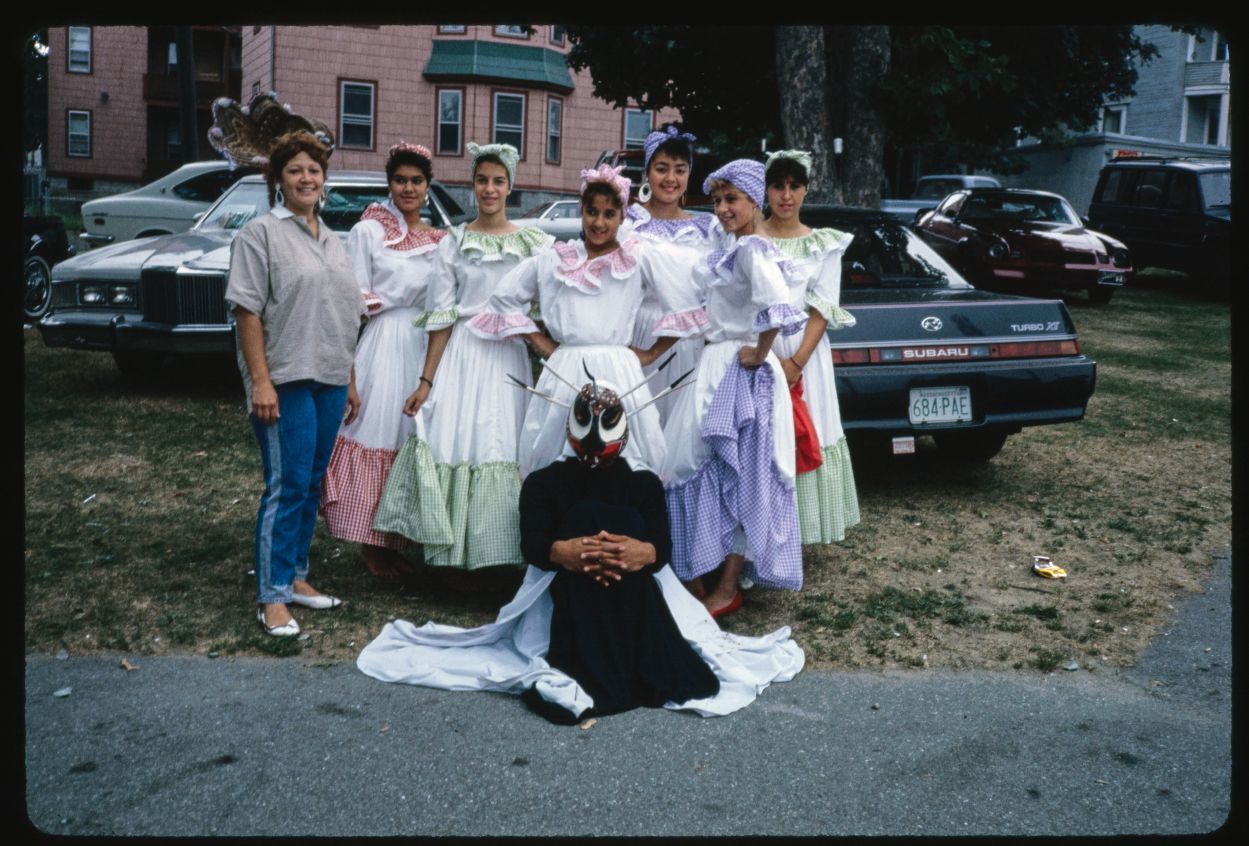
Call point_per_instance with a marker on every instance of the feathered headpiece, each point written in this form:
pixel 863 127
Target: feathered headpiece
pixel 610 175
pixel 245 135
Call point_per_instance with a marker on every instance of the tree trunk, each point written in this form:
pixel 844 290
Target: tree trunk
pixel 858 59
pixel 802 80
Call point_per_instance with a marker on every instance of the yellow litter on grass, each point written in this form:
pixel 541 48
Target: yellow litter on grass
pixel 1045 567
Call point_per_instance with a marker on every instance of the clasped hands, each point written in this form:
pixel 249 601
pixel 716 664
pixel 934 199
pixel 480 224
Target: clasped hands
pixel 604 557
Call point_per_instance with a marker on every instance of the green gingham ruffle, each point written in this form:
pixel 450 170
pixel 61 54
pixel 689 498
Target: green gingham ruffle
pixel 520 244
pixel 438 319
pixel 817 243
pixel 828 501
pixel 837 317
pixel 467 516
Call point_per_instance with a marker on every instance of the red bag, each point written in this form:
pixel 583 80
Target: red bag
pixel 809 456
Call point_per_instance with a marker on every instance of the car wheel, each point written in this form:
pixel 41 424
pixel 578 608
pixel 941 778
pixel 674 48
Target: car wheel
pixel 970 445
pixel 138 365
pixel 38 287
pixel 1101 294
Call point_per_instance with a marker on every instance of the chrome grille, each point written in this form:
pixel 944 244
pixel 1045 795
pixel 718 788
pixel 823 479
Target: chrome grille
pixel 170 297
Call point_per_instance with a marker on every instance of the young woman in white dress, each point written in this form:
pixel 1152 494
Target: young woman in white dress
pixel 465 513
pixel 729 477
pixel 660 218
pixel 392 250
pixel 828 502
pixel 588 293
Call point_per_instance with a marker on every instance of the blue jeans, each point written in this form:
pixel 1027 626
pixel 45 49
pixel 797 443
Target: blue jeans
pixel 295 452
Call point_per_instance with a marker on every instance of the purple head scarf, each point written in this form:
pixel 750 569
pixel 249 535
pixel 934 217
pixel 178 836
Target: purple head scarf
pixel 659 136
pixel 746 174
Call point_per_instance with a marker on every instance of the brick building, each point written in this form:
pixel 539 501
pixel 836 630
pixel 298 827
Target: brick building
pixel 443 86
pixel 113 117
pixel 113 102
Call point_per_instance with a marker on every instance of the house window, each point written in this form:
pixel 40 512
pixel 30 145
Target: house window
pixel 1204 119
pixel 451 29
pixel 355 110
pixel 78 134
pixel 1208 45
pixel 554 127
pixel 558 35
pixel 173 143
pixel 637 126
pixel 512 31
pixel 171 64
pixel 450 121
pixel 509 120
pixel 1115 119
pixel 79 49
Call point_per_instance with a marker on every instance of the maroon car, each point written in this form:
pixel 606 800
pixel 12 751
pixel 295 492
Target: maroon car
pixel 1014 240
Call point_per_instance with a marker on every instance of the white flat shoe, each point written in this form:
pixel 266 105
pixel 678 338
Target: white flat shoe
pixel 320 602
pixel 286 630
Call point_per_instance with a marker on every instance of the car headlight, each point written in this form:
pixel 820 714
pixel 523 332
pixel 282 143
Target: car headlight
pixel 997 251
pixel 121 294
pixel 93 294
pixel 1119 257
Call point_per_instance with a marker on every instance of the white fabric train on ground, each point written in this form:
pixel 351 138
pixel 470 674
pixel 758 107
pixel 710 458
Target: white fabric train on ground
pixel 507 655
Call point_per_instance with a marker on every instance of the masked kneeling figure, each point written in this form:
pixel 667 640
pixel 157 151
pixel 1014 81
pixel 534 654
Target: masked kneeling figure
pixel 600 624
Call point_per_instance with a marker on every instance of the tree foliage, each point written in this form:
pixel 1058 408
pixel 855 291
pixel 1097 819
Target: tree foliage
pixel 964 91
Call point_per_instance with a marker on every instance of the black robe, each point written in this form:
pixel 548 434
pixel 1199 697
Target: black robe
pixel 618 641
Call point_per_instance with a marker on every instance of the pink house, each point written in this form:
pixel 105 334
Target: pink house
pixel 443 86
pixel 113 102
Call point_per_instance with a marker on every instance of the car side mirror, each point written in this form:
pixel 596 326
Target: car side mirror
pixel 198 216
pixel 919 215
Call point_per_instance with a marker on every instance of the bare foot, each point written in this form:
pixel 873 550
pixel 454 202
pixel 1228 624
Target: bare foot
pixel 696 589
pixel 382 562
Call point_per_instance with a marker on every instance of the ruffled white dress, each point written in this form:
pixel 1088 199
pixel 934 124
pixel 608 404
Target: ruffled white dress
pixel 729 474
pixel 508 655
pixel 393 266
pixel 828 501
pixel 590 307
pixel 466 517
pixel 687 240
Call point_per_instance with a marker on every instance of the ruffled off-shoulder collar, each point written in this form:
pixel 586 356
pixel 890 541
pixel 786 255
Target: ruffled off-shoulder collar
pixel 395 232
pixel 719 263
pixel 694 229
pixel 588 274
pixel 817 243
pixel 485 247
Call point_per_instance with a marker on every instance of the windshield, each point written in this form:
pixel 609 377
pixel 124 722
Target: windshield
pixel 889 255
pixel 246 200
pixel 935 189
pixel 537 210
pixel 1216 188
pixel 988 207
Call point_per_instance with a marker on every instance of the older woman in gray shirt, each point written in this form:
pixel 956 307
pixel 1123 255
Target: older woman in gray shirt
pixel 297 307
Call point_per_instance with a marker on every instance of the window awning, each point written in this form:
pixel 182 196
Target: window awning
pixel 489 60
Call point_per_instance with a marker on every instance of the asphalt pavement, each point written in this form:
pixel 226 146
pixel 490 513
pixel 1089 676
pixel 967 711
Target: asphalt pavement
pixel 193 746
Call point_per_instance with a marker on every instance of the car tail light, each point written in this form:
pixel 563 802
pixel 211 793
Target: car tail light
pixel 929 353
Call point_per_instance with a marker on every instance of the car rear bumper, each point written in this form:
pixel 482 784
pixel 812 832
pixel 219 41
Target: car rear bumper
pixel 130 333
pixel 1004 394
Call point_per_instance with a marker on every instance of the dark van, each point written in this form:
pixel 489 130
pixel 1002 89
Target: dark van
pixel 1170 212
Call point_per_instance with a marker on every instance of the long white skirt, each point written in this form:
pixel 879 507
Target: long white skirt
pixel 544 438
pixel 508 655
pixel 474 412
pixel 685 354
pixel 819 388
pixel 389 361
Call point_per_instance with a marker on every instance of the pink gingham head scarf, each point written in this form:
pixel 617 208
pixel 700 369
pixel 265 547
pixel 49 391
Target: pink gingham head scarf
pixel 612 176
